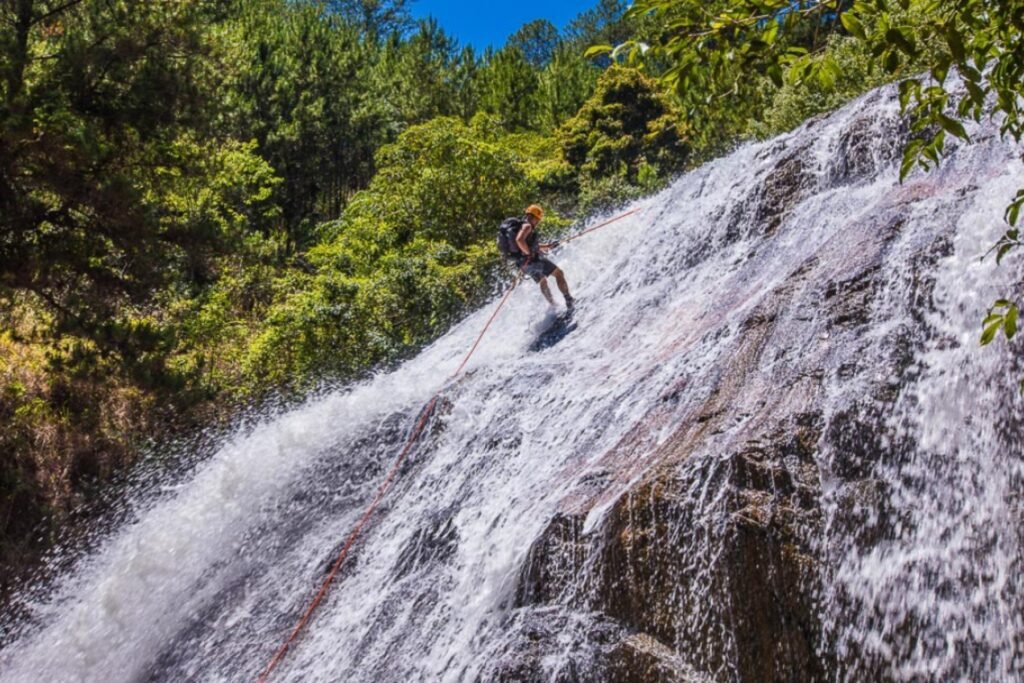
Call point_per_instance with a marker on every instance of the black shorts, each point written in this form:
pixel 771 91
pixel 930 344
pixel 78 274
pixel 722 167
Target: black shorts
pixel 538 268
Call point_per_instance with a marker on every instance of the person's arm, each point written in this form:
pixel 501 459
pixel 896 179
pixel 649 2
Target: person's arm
pixel 524 232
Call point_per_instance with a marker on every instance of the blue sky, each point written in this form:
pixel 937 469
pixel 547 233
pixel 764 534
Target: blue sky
pixel 484 22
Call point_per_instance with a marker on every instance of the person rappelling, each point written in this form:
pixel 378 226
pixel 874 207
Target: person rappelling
pixel 519 242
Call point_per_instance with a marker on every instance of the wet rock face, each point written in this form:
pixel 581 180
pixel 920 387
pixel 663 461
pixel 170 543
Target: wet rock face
pixel 435 541
pixel 754 607
pixel 554 562
pixel 865 147
pixel 762 208
pixel 548 645
pixel 746 614
pixel 640 658
pixel 782 188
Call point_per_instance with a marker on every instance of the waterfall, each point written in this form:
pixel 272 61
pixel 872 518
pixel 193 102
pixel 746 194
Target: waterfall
pixel 770 450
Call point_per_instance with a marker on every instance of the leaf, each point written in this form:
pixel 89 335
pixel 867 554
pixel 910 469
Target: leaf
pixel 989 333
pixel 828 72
pixel 905 44
pixel 910 155
pixel 1010 326
pixel 1013 213
pixel 953 126
pixel 941 69
pixel 623 47
pixel 597 50
pixel 892 61
pixel 852 25
pixel 976 93
pixel 970 73
pixel 955 42
pixel 908 89
pixel 1002 251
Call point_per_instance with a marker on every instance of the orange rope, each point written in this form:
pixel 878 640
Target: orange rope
pixel 599 226
pixel 380 494
pixel 413 435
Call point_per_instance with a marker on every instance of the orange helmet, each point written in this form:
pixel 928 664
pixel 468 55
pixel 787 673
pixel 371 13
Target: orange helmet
pixel 535 211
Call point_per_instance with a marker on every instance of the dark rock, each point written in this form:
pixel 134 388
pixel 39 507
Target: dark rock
pixel 639 658
pixel 782 188
pixel 436 541
pixel 848 303
pixel 554 561
pixel 866 146
pixel 760 584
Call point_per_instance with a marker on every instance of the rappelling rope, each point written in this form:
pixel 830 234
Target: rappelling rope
pixel 599 226
pixel 413 435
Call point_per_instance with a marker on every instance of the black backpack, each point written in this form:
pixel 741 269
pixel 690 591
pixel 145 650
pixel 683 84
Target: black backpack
pixel 507 233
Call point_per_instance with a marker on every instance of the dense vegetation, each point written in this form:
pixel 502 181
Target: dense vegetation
pixel 208 201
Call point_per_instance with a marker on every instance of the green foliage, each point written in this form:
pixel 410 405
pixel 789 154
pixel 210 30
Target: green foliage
pixel 415 78
pixel 464 79
pixel 92 125
pixel 565 84
pixel 537 40
pixel 715 57
pixel 701 49
pixel 625 123
pixel 373 17
pixel 296 82
pixel 1001 316
pixel 605 23
pixel 984 42
pixel 801 98
pixel 510 89
pixel 408 255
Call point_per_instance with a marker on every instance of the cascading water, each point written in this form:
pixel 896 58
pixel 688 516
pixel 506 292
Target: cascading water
pixel 771 450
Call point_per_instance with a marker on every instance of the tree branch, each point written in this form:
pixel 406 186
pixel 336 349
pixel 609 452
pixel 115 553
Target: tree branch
pixel 55 11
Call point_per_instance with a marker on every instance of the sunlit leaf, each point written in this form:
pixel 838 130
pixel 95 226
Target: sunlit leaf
pixel 989 333
pixel 1010 326
pixel 853 25
pixel 953 126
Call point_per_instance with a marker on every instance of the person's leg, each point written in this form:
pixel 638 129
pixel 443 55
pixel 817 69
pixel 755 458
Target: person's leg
pixel 563 286
pixel 546 291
